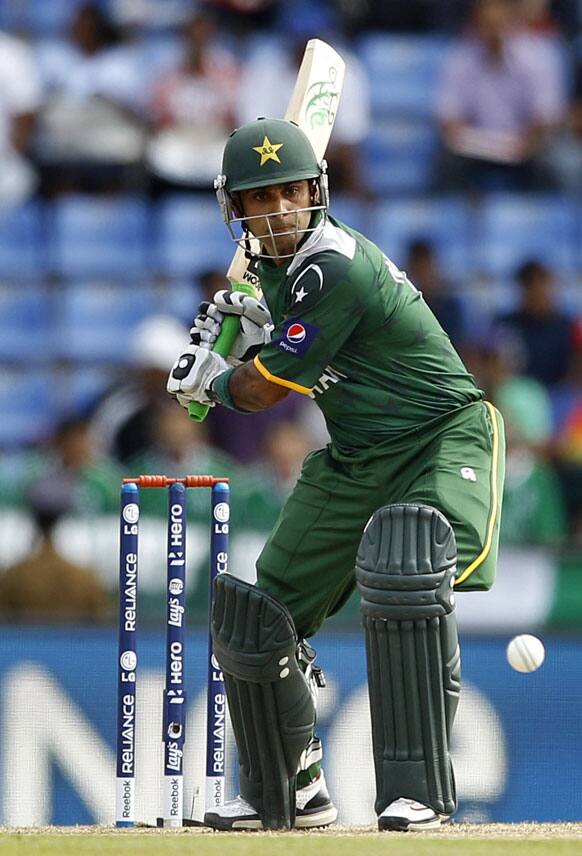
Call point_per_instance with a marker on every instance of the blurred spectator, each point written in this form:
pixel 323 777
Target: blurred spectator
pixel 73 460
pixel 500 99
pixel 121 422
pixel 44 586
pixel 540 332
pixel 19 101
pixel 567 404
pixel 245 17
pixel 192 110
pixel 210 282
pixel 567 401
pixel 178 446
pixel 533 506
pixel 564 155
pixel 91 134
pixel 286 447
pixel 268 482
pixel 244 439
pixel 403 16
pixel 423 270
pixel 550 17
pixel 259 97
pixel 149 15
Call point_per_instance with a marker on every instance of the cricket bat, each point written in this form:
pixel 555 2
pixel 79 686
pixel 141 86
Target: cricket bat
pixel 313 106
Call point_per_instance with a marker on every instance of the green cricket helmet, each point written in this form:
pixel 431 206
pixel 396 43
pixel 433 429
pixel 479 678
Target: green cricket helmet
pixel 267 151
pixel 262 153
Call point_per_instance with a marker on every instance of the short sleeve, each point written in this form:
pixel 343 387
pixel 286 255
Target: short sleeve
pixel 325 306
pixel 18 78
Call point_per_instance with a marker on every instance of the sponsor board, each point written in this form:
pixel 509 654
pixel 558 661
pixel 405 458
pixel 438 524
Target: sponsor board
pixel 512 763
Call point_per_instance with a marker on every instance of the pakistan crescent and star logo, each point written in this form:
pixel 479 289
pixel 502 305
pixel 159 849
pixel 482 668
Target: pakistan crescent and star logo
pixel 268 151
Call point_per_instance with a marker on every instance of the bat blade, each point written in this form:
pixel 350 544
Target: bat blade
pixel 315 98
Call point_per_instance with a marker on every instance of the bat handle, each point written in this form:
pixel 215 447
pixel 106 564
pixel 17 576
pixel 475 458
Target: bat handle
pixel 223 345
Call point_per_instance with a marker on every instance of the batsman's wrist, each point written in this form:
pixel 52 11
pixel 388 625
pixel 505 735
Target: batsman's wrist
pixel 220 392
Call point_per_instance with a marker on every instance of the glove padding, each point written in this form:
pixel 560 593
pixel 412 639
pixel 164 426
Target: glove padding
pixel 206 326
pixel 192 375
pixel 256 324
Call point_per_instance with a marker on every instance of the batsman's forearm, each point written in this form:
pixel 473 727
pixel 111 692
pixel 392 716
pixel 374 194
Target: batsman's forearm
pixel 251 391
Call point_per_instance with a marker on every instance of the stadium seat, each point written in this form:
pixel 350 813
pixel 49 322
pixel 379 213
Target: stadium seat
pixel 24 323
pixel 40 17
pixel 403 72
pixel 99 236
pixel 350 211
pixel 26 406
pixel 443 221
pixel 22 241
pixel 399 157
pixel 512 228
pixel 181 298
pixel 79 387
pixel 191 236
pixel 96 319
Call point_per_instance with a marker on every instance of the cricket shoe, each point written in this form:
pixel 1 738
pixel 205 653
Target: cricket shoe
pixel 404 815
pixel 314 808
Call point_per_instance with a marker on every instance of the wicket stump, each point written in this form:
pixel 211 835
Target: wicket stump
pixel 174 701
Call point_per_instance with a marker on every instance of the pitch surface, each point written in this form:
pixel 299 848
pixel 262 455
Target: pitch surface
pixel 461 840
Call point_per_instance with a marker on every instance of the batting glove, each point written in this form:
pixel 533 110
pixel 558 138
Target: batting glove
pixel 192 375
pixel 206 326
pixel 256 325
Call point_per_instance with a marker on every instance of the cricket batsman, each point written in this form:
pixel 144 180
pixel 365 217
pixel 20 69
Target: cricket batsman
pixel 404 502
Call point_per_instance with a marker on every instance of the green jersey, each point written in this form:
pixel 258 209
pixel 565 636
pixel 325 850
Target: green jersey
pixel 355 334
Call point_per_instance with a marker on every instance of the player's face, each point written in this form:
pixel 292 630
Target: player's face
pixel 279 222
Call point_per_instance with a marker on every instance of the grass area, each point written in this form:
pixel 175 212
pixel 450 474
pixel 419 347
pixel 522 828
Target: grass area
pixel 101 843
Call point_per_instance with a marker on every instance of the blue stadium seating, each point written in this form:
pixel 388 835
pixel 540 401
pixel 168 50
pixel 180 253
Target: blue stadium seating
pixel 403 72
pixel 181 298
pixel 191 236
pixel 79 387
pixel 399 156
pixel 444 222
pixel 26 405
pixel 24 323
pixel 40 16
pixel 350 211
pixel 95 320
pixel 510 229
pixel 22 250
pixel 99 236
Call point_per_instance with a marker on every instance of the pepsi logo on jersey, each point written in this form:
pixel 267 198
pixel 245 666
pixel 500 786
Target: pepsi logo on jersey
pixel 297 337
pixel 296 333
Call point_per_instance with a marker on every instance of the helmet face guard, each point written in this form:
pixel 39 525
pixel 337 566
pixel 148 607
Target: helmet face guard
pixel 262 153
pixel 240 226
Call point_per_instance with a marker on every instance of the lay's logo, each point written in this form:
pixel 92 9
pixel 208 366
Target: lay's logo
pixel 296 337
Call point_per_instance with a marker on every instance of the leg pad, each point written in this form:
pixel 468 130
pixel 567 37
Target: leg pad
pixel 405 573
pixel 270 704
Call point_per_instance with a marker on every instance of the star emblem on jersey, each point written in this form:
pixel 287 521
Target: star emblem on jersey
pixel 268 151
pixel 300 295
